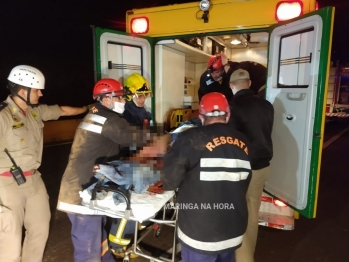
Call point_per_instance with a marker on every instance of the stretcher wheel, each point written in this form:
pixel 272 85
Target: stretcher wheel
pixel 157 230
pixel 126 259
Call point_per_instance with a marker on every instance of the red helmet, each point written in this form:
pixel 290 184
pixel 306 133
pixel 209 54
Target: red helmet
pixel 215 63
pixel 214 104
pixel 107 86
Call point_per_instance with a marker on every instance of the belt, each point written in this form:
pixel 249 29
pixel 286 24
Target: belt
pixel 26 173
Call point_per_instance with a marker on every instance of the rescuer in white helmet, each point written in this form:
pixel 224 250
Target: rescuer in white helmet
pixel 23 196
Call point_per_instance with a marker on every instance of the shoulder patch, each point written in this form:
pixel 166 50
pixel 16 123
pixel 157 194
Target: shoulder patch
pixel 94 109
pixel 3 105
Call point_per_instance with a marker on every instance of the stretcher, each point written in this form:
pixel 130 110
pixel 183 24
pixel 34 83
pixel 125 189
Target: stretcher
pixel 137 207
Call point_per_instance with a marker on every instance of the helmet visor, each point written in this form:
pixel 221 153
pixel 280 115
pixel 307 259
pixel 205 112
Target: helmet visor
pixel 146 94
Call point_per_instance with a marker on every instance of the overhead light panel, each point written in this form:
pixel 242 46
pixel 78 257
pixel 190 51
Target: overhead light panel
pixel 235 42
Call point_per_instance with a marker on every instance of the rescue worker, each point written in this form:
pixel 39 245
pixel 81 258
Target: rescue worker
pixel 136 115
pixel 219 69
pixel 257 72
pixel 254 117
pixel 216 78
pixel 23 196
pixel 135 111
pixel 97 140
pixel 212 184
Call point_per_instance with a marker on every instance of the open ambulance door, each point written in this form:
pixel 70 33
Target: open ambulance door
pixel 298 64
pixel 117 55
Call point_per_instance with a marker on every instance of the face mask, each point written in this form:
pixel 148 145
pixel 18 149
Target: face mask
pixel 119 107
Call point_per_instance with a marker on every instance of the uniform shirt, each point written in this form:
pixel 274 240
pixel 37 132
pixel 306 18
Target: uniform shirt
pixel 135 115
pixel 208 85
pixel 254 117
pixel 210 167
pixel 97 140
pixel 22 135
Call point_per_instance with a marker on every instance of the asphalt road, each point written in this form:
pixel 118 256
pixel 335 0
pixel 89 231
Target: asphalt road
pixel 325 238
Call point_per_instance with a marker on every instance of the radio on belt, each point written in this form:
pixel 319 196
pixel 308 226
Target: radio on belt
pixel 16 171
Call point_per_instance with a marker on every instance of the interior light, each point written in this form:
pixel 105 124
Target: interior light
pixel 235 42
pixel 288 10
pixel 279 203
pixel 139 25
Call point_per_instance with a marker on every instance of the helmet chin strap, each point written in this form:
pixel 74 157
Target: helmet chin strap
pixel 28 98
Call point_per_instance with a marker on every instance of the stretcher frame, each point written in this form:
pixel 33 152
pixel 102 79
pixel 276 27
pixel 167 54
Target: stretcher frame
pixel 135 249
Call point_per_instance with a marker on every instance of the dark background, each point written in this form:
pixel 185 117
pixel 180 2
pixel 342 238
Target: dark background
pixel 55 36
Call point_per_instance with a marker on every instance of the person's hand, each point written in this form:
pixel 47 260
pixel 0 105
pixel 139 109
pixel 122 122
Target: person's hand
pixel 224 58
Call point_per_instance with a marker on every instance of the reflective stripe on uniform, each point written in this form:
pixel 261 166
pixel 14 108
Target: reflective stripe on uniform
pixel 104 247
pixel 91 127
pixel 209 246
pixel 95 127
pixel 224 162
pixel 96 118
pixel 223 176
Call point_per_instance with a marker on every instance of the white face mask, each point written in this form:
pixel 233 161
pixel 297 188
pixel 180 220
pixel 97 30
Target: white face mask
pixel 119 107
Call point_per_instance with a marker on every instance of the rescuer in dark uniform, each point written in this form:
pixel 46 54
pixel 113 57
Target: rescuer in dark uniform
pixel 219 69
pixel 254 117
pixel 215 78
pixel 135 111
pixel 97 140
pixel 212 184
pixel 136 115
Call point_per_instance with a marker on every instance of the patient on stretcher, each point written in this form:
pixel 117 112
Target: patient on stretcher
pixel 128 175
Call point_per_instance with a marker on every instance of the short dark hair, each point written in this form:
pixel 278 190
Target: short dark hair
pixel 15 88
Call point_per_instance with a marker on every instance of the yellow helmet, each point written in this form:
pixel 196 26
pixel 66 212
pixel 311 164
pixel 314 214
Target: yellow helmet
pixel 137 85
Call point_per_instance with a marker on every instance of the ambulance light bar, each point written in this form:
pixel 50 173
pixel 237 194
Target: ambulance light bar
pixel 286 10
pixel 140 25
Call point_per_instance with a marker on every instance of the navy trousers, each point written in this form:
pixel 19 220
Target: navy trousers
pixel 190 255
pixel 89 238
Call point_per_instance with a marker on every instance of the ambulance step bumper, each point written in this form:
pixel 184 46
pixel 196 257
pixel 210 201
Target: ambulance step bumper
pixel 276 221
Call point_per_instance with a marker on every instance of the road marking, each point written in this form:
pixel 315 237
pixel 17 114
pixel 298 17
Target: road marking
pixel 334 138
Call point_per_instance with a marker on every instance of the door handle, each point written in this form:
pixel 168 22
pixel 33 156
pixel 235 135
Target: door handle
pixel 300 97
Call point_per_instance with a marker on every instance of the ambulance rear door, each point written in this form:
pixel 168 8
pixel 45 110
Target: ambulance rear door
pixel 298 67
pixel 117 55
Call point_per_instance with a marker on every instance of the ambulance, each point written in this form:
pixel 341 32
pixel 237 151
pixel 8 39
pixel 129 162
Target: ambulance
pixel 337 106
pixel 170 46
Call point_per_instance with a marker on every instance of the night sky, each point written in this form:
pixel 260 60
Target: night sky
pixel 57 39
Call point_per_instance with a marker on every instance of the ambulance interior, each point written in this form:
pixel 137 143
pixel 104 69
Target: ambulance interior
pixel 177 88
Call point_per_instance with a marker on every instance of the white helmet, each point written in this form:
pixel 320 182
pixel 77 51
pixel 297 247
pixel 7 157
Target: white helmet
pixel 27 76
